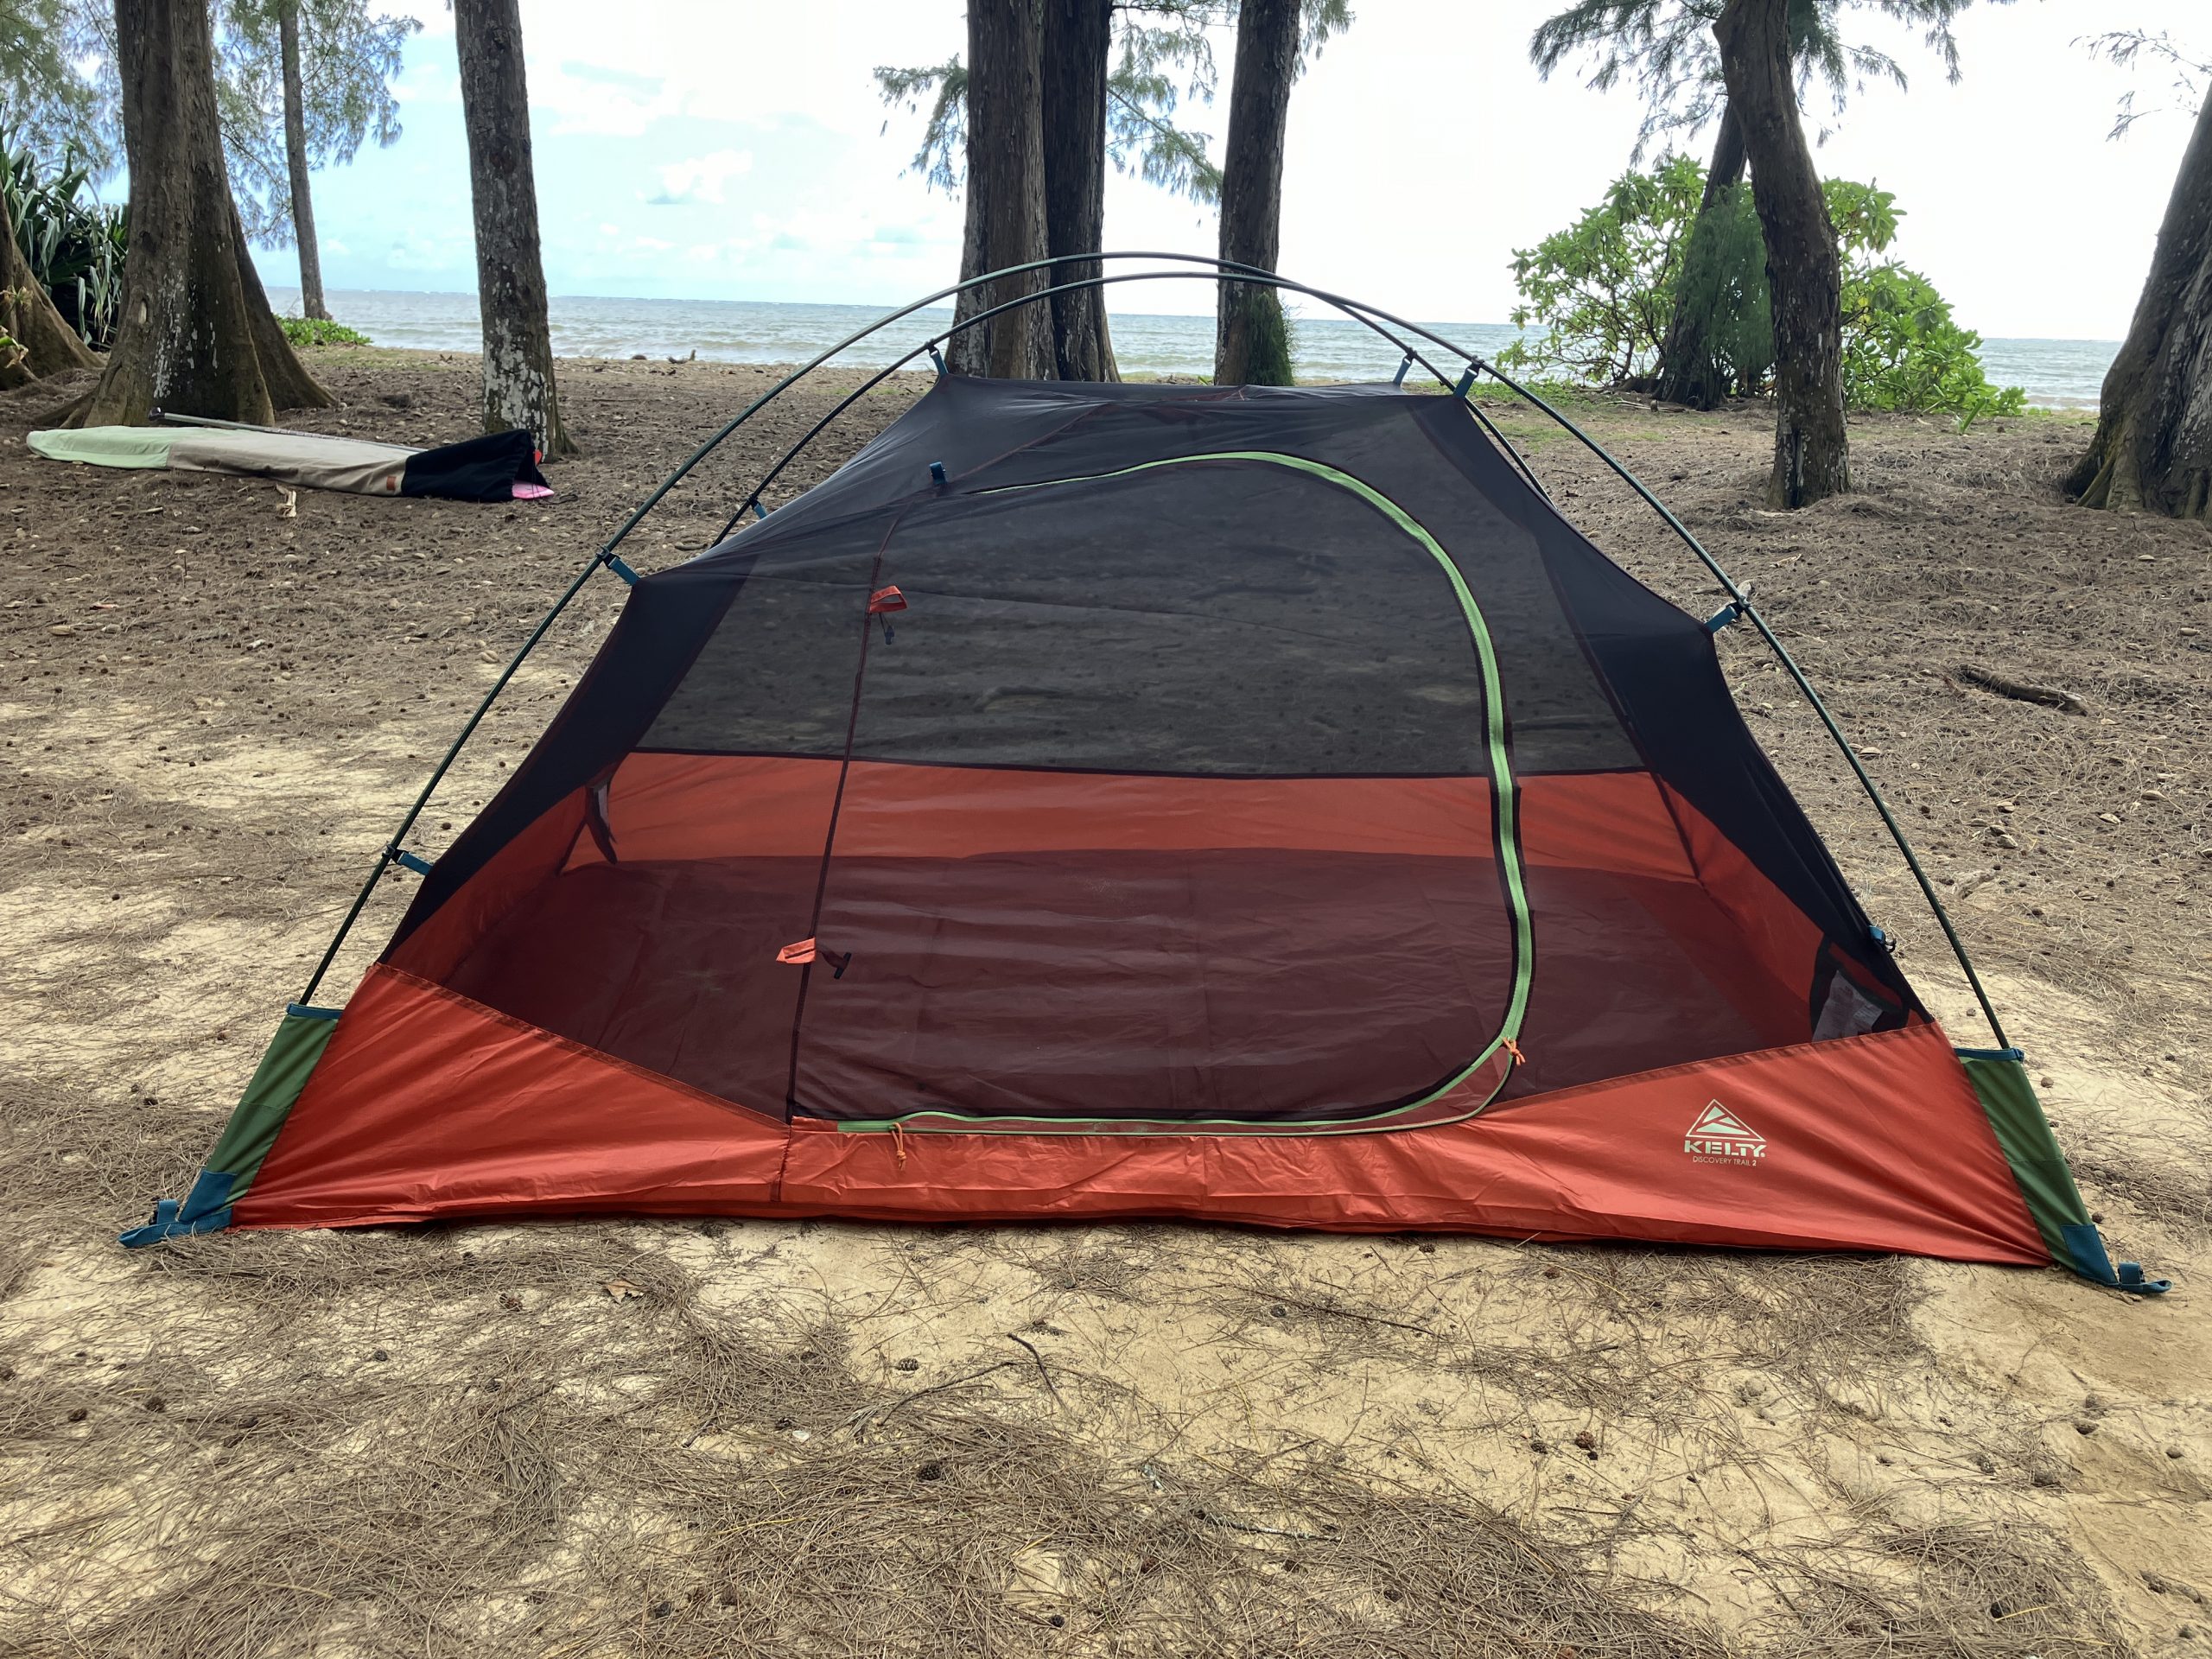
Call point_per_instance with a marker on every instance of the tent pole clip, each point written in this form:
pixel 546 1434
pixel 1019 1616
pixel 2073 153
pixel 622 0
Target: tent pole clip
pixel 1738 608
pixel 805 953
pixel 395 853
pixel 938 359
pixel 884 602
pixel 609 559
pixel 1466 386
pixel 759 512
pixel 1404 363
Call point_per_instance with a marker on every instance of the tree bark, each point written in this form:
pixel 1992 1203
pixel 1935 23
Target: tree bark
pixel 1251 338
pixel 1006 195
pixel 47 344
pixel 195 333
pixel 518 386
pixel 1685 372
pixel 2153 451
pixel 296 156
pixel 1812 456
pixel 1078 39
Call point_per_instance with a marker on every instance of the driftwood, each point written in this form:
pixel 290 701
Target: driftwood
pixel 2049 696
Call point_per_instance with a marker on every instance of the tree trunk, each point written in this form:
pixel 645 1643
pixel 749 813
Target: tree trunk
pixel 1006 195
pixel 44 343
pixel 1685 372
pixel 1251 338
pixel 295 154
pixel 518 389
pixel 1812 456
pixel 1077 39
pixel 2152 452
pixel 195 333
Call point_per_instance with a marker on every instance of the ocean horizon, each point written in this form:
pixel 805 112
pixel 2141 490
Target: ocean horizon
pixel 2054 373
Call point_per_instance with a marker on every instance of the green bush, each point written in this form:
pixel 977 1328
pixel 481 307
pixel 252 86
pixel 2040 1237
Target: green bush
pixel 1604 292
pixel 73 242
pixel 1603 288
pixel 320 330
pixel 1901 350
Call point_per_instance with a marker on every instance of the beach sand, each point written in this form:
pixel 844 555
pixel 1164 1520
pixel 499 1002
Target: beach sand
pixel 707 1437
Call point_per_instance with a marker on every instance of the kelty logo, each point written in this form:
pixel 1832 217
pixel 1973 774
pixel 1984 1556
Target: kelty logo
pixel 1719 1136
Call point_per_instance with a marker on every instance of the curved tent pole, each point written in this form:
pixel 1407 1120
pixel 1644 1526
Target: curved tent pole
pixel 1220 270
pixel 1741 602
pixel 391 853
pixel 935 340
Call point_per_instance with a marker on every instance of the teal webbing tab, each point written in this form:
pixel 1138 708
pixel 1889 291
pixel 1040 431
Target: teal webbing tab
pixel 620 568
pixel 1466 383
pixel 408 861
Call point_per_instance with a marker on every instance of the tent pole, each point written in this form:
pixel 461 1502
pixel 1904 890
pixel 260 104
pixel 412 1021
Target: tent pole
pixel 930 347
pixel 1217 269
pixel 391 853
pixel 1742 601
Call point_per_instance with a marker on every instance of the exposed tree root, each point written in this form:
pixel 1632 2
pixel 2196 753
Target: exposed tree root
pixel 2049 696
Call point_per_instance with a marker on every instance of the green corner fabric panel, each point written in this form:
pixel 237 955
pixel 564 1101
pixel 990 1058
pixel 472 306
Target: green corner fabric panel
pixel 230 1169
pixel 2038 1165
pixel 299 1042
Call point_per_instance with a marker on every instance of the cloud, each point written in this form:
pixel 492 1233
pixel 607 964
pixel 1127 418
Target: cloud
pixel 700 179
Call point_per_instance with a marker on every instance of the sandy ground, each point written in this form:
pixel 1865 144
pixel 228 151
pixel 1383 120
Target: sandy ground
pixel 752 1437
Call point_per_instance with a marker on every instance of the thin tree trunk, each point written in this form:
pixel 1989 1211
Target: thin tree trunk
pixel 518 387
pixel 1251 338
pixel 1685 371
pixel 2153 451
pixel 1077 39
pixel 195 333
pixel 46 342
pixel 295 154
pixel 1812 456
pixel 1006 195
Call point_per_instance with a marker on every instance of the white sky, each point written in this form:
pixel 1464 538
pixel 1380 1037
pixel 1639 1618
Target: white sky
pixel 694 148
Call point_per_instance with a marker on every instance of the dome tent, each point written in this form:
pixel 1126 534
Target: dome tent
pixel 1112 800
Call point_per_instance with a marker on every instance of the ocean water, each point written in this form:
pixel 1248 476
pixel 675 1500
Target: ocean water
pixel 2055 373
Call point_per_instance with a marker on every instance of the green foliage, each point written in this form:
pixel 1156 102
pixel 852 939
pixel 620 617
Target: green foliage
pixel 349 56
pixel 1164 60
pixel 58 78
pixel 1667 49
pixel 1604 291
pixel 320 331
pixel 73 242
pixel 944 133
pixel 1902 350
pixel 1723 291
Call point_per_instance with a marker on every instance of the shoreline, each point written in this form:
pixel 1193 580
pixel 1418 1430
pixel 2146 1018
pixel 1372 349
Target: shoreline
pixel 377 354
pixel 2054 372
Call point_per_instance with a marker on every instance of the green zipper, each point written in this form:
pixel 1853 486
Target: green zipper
pixel 1502 789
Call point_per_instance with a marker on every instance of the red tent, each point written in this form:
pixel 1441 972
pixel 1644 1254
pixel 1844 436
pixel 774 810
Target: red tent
pixel 1120 800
